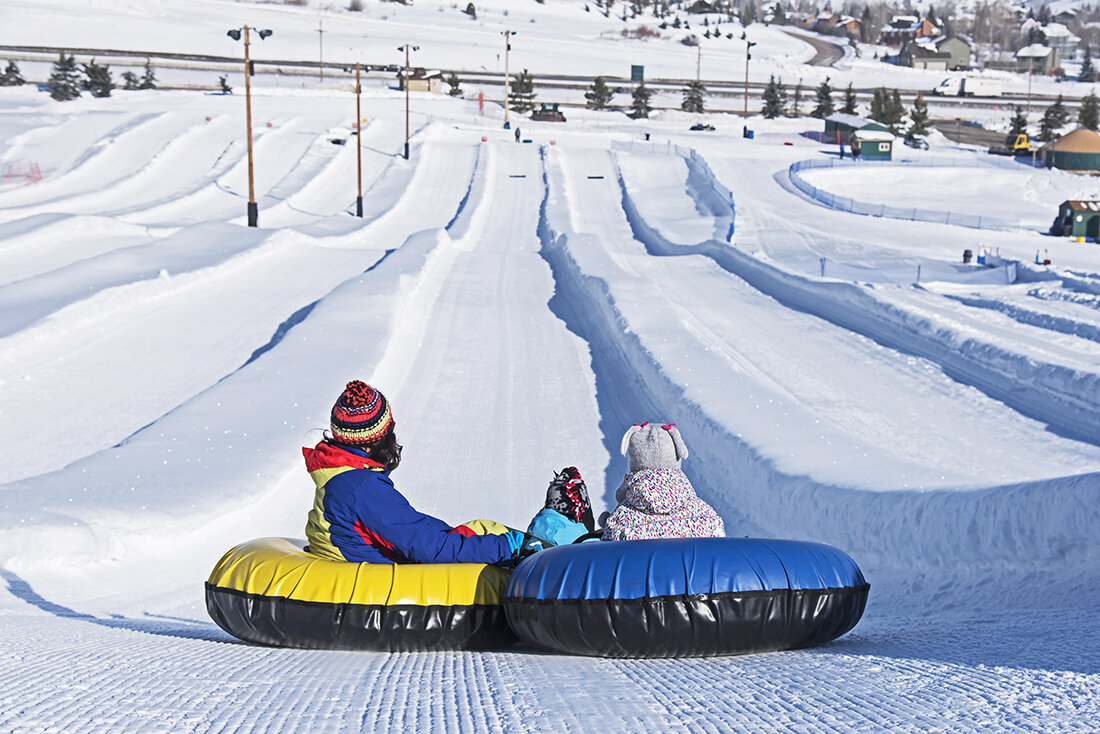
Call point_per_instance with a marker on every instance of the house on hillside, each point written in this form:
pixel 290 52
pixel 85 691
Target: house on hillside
pixel 1061 39
pixel 421 80
pixel 957 50
pixel 905 28
pixel 702 6
pixel 920 56
pixel 835 24
pixel 1037 59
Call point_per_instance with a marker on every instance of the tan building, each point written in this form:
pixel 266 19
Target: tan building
pixel 422 80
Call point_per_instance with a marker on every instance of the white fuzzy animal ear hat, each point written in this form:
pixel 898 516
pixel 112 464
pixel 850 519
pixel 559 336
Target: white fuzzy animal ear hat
pixel 649 446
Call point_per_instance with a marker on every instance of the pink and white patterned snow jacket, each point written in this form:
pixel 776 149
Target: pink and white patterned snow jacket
pixel 661 503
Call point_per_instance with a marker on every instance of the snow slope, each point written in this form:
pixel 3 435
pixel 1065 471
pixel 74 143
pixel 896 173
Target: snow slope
pixel 161 364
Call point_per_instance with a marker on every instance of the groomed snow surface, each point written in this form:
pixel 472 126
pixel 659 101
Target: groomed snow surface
pixel 161 364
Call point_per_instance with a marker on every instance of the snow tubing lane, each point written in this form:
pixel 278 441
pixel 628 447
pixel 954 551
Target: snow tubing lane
pixel 272 592
pixel 684 597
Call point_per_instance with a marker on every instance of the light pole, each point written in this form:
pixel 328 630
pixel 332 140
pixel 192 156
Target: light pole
pixel 406 49
pixel 236 34
pixel 321 48
pixel 507 47
pixel 358 146
pixel 748 55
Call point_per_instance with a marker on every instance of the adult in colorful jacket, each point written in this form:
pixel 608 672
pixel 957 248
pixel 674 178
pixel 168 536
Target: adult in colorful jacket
pixel 358 515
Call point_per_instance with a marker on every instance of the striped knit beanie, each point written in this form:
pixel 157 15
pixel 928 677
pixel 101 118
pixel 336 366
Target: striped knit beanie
pixel 361 415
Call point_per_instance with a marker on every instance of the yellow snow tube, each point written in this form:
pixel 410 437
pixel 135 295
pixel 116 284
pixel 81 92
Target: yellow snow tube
pixel 271 591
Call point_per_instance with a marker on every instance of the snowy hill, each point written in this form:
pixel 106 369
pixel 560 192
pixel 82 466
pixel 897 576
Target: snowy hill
pixel 838 377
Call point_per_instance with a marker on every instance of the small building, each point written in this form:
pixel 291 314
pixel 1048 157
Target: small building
pixel 1037 59
pixel 1077 219
pixel 1076 151
pixel 873 145
pixel 919 56
pixel 421 80
pixel 1061 39
pixel 957 50
pixel 905 28
pixel 840 127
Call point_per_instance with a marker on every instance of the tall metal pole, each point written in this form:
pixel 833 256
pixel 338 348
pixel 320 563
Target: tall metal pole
pixel 321 44
pixel 358 145
pixel 406 101
pixel 1030 67
pixel 507 48
pixel 253 212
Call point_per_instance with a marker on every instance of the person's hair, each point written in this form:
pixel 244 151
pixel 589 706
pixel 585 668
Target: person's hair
pixel 386 451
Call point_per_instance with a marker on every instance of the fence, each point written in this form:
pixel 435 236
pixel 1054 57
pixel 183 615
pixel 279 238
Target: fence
pixel 914 214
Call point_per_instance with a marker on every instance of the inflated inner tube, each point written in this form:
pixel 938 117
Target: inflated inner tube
pixel 271 591
pixel 684 597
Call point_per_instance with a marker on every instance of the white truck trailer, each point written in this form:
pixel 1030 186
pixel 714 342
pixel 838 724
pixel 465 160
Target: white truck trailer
pixel 969 86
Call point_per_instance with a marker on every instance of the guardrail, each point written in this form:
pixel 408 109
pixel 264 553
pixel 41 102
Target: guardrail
pixel 914 214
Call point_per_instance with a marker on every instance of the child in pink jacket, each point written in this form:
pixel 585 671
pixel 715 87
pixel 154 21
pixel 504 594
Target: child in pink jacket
pixel 656 500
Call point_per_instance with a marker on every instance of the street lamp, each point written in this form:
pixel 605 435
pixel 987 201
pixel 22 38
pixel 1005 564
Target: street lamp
pixel 748 55
pixel 236 34
pixel 507 47
pixel 358 143
pixel 406 48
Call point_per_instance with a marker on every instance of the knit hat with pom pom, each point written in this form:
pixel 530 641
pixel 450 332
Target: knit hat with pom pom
pixel 361 415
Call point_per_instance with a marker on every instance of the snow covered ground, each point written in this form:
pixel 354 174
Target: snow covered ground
pixel 522 304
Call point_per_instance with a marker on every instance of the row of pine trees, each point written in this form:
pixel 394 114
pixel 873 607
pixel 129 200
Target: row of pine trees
pixel 68 79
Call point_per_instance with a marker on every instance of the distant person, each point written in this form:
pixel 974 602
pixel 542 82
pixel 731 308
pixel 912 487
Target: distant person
pixel 359 515
pixel 517 134
pixel 656 499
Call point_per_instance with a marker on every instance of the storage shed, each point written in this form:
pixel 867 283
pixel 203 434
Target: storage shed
pixel 840 127
pixel 873 145
pixel 1077 219
pixel 1076 151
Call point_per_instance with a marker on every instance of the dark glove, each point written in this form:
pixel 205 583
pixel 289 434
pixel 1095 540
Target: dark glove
pixel 568 495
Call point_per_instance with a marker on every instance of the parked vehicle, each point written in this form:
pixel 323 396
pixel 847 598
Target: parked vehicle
pixel 915 142
pixel 1016 145
pixel 548 112
pixel 969 86
pixel 702 126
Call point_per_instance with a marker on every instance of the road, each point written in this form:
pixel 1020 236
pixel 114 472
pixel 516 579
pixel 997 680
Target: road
pixel 826 54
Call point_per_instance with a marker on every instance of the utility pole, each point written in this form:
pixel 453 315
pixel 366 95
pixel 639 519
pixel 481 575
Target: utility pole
pixel 321 45
pixel 748 55
pixel 406 48
pixel 507 48
pixel 358 145
pixel 238 34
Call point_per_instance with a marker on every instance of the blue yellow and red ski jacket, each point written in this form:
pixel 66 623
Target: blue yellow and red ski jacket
pixel 358 515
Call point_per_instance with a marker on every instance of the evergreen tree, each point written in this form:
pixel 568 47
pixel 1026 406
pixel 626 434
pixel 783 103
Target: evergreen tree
pixel 825 106
pixel 1089 116
pixel 11 76
pixel 1088 71
pixel 918 116
pixel 97 79
pixel 878 104
pixel 640 105
pixel 455 85
pixel 1048 127
pixel 849 107
pixel 521 96
pixel 63 79
pixel 693 97
pixel 148 79
pixel 1059 115
pixel 1017 125
pixel 895 112
pixel 795 110
pixel 775 99
pixel 599 95
pixel 130 80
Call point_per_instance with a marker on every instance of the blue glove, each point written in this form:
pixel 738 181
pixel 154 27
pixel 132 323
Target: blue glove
pixel 515 540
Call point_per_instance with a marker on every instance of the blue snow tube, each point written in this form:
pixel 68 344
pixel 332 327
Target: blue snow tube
pixel 684 597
